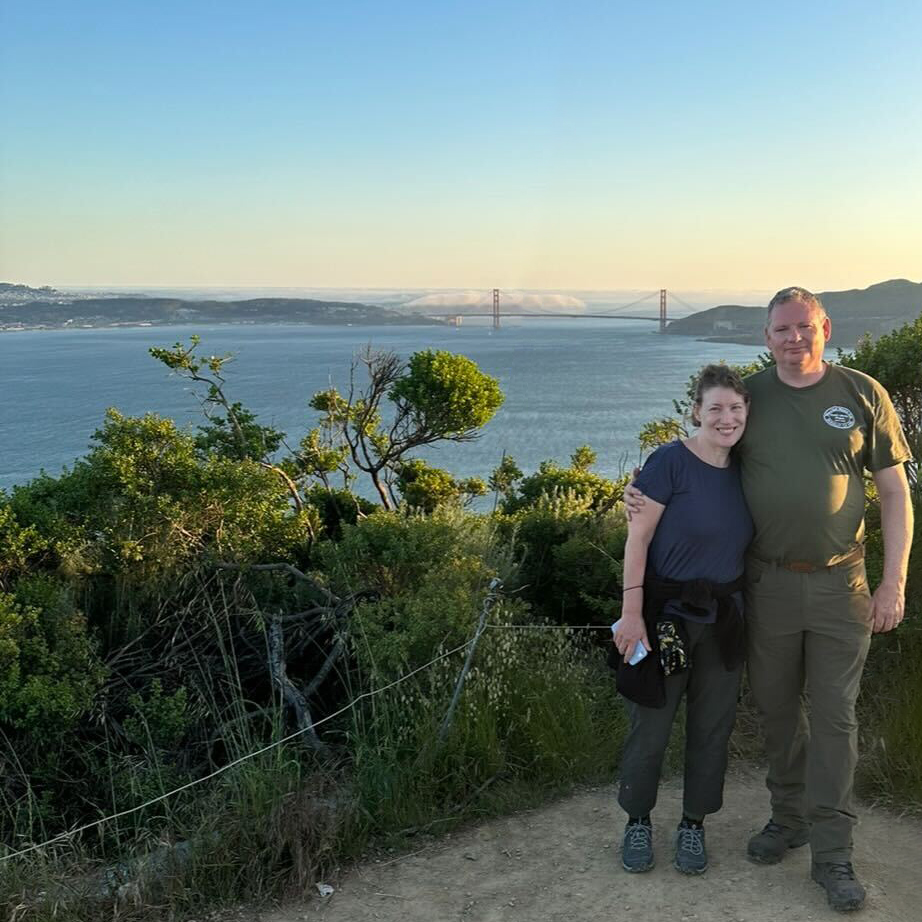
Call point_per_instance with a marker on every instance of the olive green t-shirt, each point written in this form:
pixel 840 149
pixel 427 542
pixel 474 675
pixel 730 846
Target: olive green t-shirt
pixel 804 454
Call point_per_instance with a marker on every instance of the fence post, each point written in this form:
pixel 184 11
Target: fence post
pixel 488 603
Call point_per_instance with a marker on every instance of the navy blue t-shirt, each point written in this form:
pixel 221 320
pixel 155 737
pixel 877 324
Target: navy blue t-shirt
pixel 705 526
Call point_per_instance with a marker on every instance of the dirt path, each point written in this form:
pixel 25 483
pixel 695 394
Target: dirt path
pixel 562 863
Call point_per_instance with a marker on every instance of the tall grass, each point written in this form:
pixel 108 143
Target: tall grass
pixel 537 714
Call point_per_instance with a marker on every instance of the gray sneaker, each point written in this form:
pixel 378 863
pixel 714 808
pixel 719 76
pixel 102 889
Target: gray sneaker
pixel 771 844
pixel 691 856
pixel 843 890
pixel 637 848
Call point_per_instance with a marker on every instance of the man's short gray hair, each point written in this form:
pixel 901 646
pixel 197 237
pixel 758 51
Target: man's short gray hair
pixel 794 293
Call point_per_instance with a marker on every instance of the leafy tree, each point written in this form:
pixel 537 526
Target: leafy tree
pixel 505 477
pixel 583 458
pixel 660 432
pixel 232 430
pixel 436 396
pixel 552 480
pixel 895 359
pixel 425 487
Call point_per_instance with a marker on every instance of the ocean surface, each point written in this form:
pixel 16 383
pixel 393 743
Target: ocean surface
pixel 567 383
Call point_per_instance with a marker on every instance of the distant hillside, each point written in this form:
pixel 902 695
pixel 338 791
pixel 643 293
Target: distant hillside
pixel 20 309
pixel 875 310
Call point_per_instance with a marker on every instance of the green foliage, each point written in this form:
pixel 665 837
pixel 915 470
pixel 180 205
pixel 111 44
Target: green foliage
pixel 571 557
pixel 561 523
pixel 415 566
pixel 537 713
pixel 436 396
pixel 319 459
pixel 424 487
pixel 337 508
pixel 447 394
pixel 890 716
pixel 159 720
pixel 49 671
pixel 232 430
pixel 551 480
pixel 895 359
pixel 152 505
pixel 660 432
pixel 21 548
pixel 504 478
pixel 238 435
pixel 583 458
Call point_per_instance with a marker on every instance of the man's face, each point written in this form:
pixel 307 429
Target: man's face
pixel 797 334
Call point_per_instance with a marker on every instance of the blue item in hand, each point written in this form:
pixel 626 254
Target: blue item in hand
pixel 640 651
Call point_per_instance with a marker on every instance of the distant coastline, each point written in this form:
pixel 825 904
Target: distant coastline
pixel 874 310
pixel 23 308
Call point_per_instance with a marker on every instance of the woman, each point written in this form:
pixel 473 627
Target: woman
pixel 683 566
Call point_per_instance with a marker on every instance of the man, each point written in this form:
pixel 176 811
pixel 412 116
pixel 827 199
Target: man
pixel 813 431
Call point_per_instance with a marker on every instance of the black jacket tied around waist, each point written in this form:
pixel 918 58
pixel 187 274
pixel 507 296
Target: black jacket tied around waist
pixel 644 683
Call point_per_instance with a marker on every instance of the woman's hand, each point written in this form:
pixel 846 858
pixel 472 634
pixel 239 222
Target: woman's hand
pixel 629 631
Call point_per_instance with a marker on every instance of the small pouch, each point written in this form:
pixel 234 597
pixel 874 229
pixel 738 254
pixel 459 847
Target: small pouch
pixel 673 652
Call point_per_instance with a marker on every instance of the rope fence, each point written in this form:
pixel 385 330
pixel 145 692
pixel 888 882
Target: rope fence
pixel 483 625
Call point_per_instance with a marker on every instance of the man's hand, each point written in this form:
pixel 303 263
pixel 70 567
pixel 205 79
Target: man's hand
pixel 630 629
pixel 633 498
pixel 886 607
pixel 896 527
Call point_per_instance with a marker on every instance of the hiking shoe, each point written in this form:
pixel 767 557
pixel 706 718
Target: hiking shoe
pixel 843 889
pixel 637 848
pixel 691 857
pixel 771 844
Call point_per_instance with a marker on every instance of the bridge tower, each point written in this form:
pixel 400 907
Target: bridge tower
pixel 662 310
pixel 495 308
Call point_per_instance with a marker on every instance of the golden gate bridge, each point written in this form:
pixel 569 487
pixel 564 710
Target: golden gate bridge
pixel 616 313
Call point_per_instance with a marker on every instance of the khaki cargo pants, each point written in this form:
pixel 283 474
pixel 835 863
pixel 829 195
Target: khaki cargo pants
pixel 809 635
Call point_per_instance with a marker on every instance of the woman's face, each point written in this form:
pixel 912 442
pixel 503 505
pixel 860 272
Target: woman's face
pixel 722 414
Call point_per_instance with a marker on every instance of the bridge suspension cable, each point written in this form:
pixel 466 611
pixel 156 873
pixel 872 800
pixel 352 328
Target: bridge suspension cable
pixel 684 303
pixel 624 307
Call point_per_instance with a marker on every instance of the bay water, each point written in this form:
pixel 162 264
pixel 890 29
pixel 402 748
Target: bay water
pixel 567 382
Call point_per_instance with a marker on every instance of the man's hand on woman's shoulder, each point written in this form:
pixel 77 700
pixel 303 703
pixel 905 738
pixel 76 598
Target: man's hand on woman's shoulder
pixel 634 499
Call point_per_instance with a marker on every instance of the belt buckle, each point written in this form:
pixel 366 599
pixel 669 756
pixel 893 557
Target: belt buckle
pixel 800 566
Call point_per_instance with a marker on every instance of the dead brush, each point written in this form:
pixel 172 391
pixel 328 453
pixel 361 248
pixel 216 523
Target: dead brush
pixel 306 827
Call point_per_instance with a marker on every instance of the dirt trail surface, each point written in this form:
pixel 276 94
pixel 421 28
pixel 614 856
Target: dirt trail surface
pixel 561 863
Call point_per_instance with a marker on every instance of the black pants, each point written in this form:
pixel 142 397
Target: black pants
pixel 711 694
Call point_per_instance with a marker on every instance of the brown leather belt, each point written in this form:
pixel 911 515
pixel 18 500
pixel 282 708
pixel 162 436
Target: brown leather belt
pixel 802 566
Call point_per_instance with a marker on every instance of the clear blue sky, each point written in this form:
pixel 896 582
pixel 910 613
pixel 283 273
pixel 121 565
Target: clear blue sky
pixel 543 145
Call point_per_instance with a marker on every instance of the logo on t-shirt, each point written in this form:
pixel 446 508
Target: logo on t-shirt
pixel 839 417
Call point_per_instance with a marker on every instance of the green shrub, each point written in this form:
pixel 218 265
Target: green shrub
pixel 551 480
pixel 429 576
pixel 49 670
pixel 571 558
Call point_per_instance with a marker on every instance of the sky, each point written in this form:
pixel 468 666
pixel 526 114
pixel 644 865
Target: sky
pixel 535 145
